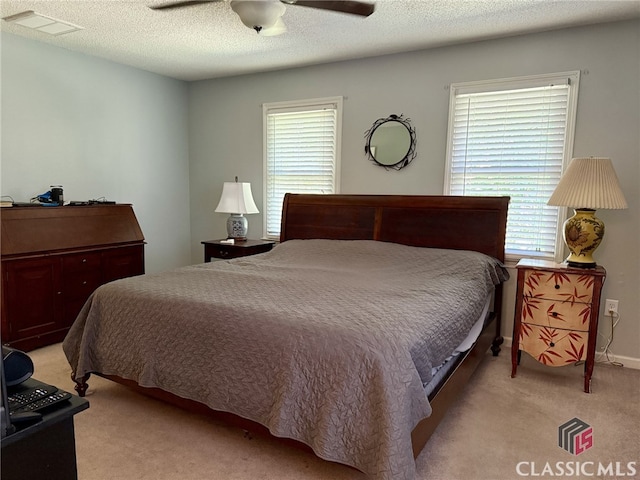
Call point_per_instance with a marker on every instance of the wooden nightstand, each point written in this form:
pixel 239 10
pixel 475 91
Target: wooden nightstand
pixel 215 249
pixel 556 319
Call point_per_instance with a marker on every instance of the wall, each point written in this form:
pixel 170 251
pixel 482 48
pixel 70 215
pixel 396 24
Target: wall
pixel 98 129
pixel 102 129
pixel 225 134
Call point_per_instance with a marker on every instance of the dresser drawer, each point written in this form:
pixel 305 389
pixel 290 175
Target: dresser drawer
pixel 81 262
pixel 122 262
pixel 559 285
pixel 555 313
pixel 81 284
pixel 224 251
pixel 553 346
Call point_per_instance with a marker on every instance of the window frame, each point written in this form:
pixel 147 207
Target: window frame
pixel 572 78
pixel 293 106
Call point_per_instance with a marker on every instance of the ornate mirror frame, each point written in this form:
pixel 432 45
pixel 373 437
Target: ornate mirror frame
pixel 403 158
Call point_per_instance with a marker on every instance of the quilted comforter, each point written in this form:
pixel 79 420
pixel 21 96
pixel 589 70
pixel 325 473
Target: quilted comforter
pixel 328 342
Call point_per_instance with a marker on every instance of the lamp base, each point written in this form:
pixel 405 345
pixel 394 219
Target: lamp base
pixel 581 264
pixel 237 226
pixel 583 233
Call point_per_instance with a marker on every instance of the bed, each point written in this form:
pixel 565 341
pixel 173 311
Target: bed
pixel 349 336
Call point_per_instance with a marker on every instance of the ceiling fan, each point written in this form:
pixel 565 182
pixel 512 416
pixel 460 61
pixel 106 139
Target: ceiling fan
pixel 265 16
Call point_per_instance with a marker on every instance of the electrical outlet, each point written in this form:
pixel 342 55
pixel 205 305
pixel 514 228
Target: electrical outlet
pixel 610 306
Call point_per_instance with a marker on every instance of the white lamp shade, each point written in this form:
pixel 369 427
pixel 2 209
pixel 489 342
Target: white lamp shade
pixel 591 183
pixel 236 198
pixel 258 13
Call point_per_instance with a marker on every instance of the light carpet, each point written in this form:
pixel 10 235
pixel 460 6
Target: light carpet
pixel 499 429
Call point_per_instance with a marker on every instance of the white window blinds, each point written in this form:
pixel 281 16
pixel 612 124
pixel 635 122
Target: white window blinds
pixel 302 144
pixel 514 137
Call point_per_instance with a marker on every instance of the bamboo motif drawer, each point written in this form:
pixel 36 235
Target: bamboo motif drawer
pixel 560 286
pixel 557 300
pixel 556 318
pixel 553 346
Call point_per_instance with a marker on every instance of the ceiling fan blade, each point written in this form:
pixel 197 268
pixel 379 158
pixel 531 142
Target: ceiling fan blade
pixel 184 3
pixel 345 6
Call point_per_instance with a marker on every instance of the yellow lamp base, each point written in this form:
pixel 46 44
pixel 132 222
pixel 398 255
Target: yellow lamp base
pixel 583 233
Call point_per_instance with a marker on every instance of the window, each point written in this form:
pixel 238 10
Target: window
pixel 301 152
pixel 514 137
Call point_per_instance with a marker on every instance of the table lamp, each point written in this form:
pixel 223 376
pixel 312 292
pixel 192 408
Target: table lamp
pixel 588 184
pixel 237 200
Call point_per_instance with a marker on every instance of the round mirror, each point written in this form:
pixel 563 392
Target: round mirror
pixel 391 142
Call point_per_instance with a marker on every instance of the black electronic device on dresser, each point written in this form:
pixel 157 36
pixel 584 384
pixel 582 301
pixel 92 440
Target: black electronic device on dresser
pixel 24 400
pixel 38 438
pixel 29 400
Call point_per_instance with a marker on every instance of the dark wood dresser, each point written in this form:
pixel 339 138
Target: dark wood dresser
pixel 53 258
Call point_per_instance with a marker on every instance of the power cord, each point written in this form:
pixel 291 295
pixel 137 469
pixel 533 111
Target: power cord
pixel 615 318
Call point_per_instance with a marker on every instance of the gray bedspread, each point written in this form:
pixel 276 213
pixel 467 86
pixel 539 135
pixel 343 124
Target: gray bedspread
pixel 325 341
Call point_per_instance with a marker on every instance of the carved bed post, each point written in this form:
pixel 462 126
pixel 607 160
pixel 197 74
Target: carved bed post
pixel 81 385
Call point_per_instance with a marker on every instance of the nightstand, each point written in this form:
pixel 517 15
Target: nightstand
pixel 556 318
pixel 226 251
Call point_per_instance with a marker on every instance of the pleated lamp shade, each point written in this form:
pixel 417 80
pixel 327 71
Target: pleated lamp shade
pixel 587 185
pixel 589 182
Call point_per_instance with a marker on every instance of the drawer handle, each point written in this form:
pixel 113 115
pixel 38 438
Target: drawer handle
pixel 84 283
pixel 84 260
pixel 224 253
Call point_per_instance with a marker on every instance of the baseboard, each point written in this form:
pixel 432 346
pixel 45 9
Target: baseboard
pixel 629 362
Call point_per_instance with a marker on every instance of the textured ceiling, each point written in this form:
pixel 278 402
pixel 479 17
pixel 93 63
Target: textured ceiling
pixel 208 41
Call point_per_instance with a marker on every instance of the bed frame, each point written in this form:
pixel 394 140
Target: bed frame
pixel 464 223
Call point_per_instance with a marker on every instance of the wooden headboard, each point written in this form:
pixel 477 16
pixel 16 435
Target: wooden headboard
pixel 462 223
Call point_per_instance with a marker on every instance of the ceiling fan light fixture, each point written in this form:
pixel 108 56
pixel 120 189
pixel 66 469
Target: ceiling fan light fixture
pixel 258 14
pixel 278 29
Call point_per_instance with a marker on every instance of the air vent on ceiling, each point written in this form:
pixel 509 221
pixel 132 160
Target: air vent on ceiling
pixel 42 23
